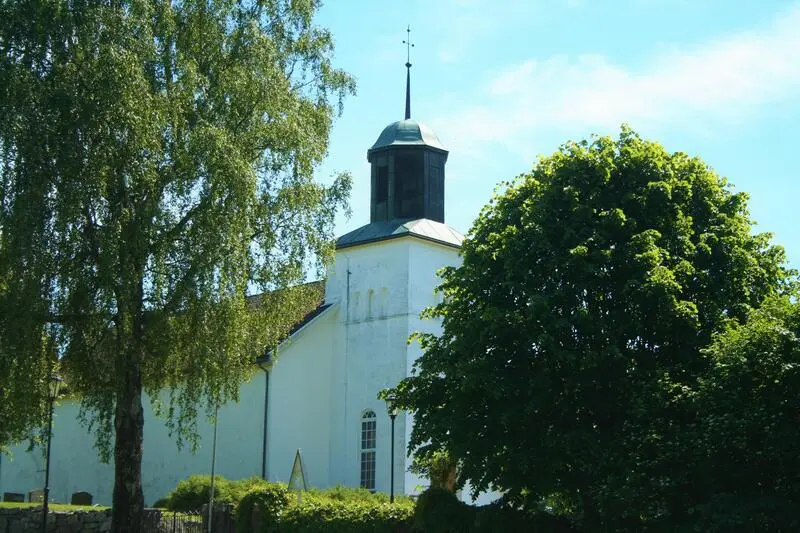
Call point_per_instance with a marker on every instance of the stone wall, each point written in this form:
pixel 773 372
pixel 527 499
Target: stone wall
pixel 29 520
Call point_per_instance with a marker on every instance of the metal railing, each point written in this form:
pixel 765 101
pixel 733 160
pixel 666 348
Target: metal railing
pixel 163 521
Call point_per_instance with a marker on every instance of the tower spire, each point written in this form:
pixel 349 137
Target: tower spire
pixel 409 45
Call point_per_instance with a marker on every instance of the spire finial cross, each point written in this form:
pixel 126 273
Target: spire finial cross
pixel 409 46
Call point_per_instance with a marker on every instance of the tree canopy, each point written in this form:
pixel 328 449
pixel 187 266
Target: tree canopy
pixel 587 291
pixel 156 166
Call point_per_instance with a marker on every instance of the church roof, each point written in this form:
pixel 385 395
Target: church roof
pixel 407 133
pixel 422 228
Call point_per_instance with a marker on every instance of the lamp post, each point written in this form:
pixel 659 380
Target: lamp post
pixel 54 385
pixel 213 465
pixel 391 408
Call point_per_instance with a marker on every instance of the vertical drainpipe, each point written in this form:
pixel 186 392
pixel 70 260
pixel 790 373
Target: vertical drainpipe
pixel 346 369
pixel 266 418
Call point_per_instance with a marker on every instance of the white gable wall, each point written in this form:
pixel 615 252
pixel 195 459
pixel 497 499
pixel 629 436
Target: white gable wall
pixel 299 403
pixel 373 321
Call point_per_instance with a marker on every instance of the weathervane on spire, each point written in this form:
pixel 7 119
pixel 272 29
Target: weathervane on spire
pixel 409 46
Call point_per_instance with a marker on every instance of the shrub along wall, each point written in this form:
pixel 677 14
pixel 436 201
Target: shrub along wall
pixel 338 510
pixel 263 507
pixel 346 517
pixel 193 492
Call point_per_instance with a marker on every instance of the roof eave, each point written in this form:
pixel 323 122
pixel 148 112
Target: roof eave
pixel 423 146
pixel 397 236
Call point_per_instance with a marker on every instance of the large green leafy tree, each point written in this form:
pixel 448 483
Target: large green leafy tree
pixel 586 291
pixel 156 166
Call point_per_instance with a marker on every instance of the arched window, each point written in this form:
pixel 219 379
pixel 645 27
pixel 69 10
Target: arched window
pixel 368 445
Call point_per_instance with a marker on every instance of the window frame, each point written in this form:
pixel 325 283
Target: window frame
pixel 368 449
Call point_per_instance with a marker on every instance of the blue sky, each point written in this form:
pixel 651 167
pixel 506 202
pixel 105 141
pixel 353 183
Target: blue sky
pixel 504 81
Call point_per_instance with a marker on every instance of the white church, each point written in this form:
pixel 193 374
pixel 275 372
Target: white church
pixel 320 394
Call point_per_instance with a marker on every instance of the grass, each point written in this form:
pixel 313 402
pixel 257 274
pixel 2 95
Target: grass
pixel 52 506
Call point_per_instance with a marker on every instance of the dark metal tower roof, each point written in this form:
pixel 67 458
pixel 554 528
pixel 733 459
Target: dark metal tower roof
pixel 407 133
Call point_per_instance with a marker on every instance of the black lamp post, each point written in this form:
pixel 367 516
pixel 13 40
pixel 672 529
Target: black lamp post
pixel 54 385
pixel 391 408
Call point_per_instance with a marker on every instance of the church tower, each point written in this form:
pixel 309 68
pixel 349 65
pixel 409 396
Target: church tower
pixel 382 278
pixel 407 169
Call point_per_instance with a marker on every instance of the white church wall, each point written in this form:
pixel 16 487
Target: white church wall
pixel 299 399
pixel 378 270
pixel 239 444
pixel 375 362
pixel 426 259
pixel 75 465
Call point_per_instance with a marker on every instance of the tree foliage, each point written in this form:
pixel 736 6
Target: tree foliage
pixel 586 292
pixel 746 470
pixel 439 468
pixel 156 165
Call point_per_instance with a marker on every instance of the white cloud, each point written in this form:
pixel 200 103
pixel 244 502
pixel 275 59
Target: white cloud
pixel 719 82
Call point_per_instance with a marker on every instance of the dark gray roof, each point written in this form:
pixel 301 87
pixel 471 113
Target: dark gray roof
pixel 422 228
pixel 407 133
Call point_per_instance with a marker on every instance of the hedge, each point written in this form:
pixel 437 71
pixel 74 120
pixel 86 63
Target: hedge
pixel 347 517
pixel 336 510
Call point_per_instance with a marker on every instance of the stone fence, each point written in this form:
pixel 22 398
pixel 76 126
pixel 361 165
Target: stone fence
pixel 29 520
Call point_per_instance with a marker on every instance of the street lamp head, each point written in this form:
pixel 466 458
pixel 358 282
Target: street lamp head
pixel 55 385
pixel 391 406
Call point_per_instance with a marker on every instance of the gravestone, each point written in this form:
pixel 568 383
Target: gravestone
pixel 36 495
pixel 15 497
pixel 81 498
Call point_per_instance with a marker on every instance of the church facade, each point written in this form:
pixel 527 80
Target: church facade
pixel 319 395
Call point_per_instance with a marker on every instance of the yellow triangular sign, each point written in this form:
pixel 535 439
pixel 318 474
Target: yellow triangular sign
pixel 297 481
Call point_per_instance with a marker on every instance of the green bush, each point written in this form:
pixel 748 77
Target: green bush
pixel 192 493
pixel 440 511
pixel 240 487
pixel 271 499
pixel 162 503
pixel 337 516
